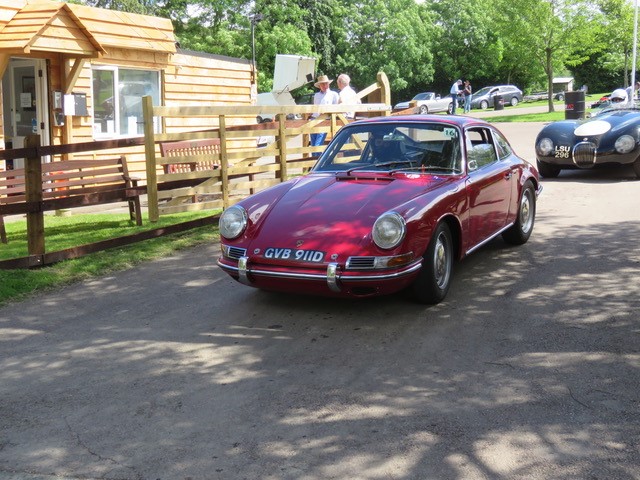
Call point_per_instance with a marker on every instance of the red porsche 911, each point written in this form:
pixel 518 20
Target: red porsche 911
pixel 391 204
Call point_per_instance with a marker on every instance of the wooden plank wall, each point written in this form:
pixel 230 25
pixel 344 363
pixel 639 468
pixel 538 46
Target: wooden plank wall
pixel 187 79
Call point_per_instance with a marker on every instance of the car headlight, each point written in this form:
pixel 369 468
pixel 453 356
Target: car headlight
pixel 389 230
pixel 625 144
pixel 233 221
pixel 545 147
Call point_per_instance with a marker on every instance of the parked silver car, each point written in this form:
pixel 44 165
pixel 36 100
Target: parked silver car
pixel 428 102
pixel 484 98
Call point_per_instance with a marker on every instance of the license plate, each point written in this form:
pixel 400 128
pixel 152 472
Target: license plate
pixel 294 254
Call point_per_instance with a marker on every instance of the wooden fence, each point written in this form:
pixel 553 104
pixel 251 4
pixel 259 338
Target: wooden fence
pixel 250 156
pixel 239 166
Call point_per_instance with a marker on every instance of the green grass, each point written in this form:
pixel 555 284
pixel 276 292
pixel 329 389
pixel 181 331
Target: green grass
pixel 528 117
pixel 75 230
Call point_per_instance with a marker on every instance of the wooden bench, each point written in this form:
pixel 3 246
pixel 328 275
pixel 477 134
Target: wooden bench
pixel 193 155
pixel 69 184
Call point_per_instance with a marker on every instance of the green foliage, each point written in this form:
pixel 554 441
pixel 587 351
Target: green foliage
pixel 419 45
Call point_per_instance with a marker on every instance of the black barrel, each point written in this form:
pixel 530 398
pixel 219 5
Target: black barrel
pixel 498 104
pixel 574 105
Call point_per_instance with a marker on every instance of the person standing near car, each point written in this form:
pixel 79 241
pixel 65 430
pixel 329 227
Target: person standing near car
pixel 325 96
pixel 467 96
pixel 455 88
pixel 347 95
pixel 631 92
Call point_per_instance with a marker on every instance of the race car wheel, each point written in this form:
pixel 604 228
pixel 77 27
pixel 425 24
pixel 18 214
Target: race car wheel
pixel 521 230
pixel 423 110
pixel 636 167
pixel 547 170
pixel 484 104
pixel 434 279
pixel 514 101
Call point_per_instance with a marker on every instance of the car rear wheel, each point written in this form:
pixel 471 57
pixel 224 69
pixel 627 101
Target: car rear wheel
pixel 423 110
pixel 514 101
pixel 434 279
pixel 450 108
pixel 521 230
pixel 636 167
pixel 547 170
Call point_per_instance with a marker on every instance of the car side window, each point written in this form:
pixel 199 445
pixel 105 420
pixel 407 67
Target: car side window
pixel 480 149
pixel 503 147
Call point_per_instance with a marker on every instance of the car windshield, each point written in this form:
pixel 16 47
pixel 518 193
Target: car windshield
pixel 482 91
pixel 394 147
pixel 423 96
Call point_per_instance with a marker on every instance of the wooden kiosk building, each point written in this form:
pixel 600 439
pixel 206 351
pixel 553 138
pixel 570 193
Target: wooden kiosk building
pixel 72 73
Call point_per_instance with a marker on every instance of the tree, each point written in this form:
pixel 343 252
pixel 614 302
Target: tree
pixel 467 45
pixel 617 19
pixel 394 36
pixel 552 33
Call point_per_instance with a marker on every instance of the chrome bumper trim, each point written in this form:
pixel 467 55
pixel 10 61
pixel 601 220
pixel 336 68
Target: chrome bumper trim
pixel 242 270
pixel 333 277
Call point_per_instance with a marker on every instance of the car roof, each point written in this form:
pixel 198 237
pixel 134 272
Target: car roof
pixel 448 119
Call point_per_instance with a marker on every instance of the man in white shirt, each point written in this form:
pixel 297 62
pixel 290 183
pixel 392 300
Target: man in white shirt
pixel 325 96
pixel 348 95
pixel 455 88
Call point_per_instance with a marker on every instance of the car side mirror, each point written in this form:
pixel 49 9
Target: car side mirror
pixel 472 165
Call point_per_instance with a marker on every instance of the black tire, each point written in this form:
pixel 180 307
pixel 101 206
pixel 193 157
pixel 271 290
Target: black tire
pixel 636 167
pixel 547 170
pixel 560 97
pixel 450 108
pixel 434 278
pixel 514 101
pixel 484 105
pixel 423 110
pixel 521 230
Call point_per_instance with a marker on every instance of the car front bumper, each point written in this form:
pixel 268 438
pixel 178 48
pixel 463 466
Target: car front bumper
pixel 330 280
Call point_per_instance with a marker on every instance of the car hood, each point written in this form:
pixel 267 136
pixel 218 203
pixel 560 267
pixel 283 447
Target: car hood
pixel 402 105
pixel 613 122
pixel 332 213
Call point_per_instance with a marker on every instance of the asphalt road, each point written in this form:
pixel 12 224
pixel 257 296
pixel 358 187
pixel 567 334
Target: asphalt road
pixel 529 370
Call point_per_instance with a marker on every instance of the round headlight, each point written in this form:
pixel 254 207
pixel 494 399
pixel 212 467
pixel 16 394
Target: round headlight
pixel 625 144
pixel 389 230
pixel 233 221
pixel 545 147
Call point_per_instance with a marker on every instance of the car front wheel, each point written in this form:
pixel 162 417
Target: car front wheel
pixel 484 104
pixel 521 230
pixel 547 170
pixel 514 101
pixel 434 279
pixel 423 110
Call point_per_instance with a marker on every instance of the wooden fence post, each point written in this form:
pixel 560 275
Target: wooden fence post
pixel 33 190
pixel 282 146
pixel 224 161
pixel 150 159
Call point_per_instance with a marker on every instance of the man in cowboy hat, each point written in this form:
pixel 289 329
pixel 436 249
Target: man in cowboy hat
pixel 325 96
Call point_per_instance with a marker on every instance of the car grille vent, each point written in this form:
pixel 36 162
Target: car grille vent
pixel 235 252
pixel 360 263
pixel 584 154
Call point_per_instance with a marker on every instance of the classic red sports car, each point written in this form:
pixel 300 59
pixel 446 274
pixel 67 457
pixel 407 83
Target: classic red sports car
pixel 390 204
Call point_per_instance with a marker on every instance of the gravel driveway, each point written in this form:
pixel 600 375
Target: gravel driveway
pixel 529 370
